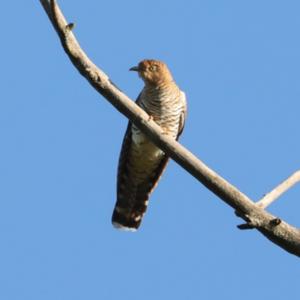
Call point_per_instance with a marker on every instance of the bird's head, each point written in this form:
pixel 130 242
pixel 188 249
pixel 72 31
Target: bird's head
pixel 153 72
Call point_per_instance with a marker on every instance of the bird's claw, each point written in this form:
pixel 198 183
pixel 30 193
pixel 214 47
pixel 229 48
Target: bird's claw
pixel 150 118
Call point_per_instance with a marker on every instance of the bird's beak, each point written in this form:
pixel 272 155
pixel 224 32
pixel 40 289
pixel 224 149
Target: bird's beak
pixel 136 69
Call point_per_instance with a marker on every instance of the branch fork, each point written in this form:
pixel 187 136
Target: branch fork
pixel 270 197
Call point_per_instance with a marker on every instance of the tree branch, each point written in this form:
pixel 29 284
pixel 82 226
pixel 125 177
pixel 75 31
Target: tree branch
pixel 279 190
pixel 281 233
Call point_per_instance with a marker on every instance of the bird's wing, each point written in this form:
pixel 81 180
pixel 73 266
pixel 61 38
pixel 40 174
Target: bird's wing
pixel 183 114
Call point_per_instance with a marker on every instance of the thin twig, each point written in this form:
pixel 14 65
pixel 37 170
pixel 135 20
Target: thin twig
pixel 279 190
pixel 282 234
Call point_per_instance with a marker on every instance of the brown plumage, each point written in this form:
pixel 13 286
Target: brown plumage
pixel 141 163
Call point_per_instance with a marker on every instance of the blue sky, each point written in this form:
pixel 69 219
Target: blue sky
pixel 237 61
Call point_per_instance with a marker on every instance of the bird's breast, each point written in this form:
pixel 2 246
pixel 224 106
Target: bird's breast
pixel 164 106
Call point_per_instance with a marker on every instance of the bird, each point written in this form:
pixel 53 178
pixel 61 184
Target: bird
pixel 141 163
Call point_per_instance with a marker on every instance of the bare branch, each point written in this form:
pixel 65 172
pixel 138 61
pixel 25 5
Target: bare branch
pixel 282 234
pixel 279 190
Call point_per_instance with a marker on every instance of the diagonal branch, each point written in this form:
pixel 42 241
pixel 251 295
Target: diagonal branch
pixel 279 232
pixel 279 190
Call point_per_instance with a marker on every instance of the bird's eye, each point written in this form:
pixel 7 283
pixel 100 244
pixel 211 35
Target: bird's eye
pixel 152 68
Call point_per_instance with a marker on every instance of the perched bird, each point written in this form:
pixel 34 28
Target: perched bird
pixel 141 163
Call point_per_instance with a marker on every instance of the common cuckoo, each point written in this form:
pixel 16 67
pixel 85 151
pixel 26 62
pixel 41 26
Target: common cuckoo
pixel 141 163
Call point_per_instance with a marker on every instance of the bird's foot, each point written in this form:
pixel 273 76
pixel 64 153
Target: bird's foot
pixel 150 118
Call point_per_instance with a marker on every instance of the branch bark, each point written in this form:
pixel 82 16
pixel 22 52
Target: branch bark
pixel 276 230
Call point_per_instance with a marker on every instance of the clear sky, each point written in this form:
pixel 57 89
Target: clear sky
pixel 237 61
